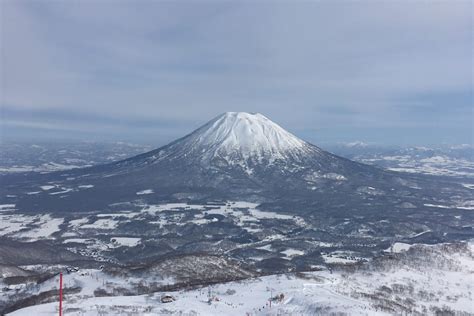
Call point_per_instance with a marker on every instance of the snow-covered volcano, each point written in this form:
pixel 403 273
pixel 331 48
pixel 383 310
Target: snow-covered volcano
pixel 248 134
pixel 238 139
pixel 235 155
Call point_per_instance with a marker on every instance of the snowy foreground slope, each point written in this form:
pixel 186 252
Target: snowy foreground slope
pixel 415 280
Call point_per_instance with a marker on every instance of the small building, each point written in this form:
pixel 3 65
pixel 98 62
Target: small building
pixel 72 269
pixel 167 299
pixel 279 298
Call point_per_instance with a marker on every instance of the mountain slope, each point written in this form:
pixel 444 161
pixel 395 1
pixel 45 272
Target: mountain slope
pixel 234 156
pixel 236 138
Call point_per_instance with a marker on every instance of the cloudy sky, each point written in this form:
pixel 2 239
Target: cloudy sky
pixel 397 72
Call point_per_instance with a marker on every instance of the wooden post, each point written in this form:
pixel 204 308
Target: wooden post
pixel 60 294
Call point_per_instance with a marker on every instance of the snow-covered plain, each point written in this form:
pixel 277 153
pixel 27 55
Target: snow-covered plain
pixel 143 192
pixel 29 227
pixel 7 207
pixel 45 227
pixel 42 226
pixel 437 165
pixel 46 167
pixel 243 213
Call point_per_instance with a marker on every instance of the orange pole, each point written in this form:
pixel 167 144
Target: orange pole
pixel 60 294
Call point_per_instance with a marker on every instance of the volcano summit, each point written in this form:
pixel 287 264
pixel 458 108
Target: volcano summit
pixel 246 135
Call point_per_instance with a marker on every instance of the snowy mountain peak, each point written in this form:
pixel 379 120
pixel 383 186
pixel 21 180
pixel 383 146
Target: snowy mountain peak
pixel 245 133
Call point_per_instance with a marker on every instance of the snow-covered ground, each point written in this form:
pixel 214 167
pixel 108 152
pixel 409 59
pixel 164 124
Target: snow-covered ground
pixel 244 214
pixel 464 205
pixel 443 160
pixel 398 247
pixel 252 297
pixel 46 167
pixel 44 228
pixel 143 192
pixel 125 241
pixel 55 156
pixel 437 165
pixel 29 227
pixel 400 285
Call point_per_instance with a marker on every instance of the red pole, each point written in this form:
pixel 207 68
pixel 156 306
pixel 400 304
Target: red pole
pixel 60 293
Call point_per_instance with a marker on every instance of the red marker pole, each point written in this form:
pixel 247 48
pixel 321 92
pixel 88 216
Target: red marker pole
pixel 60 294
